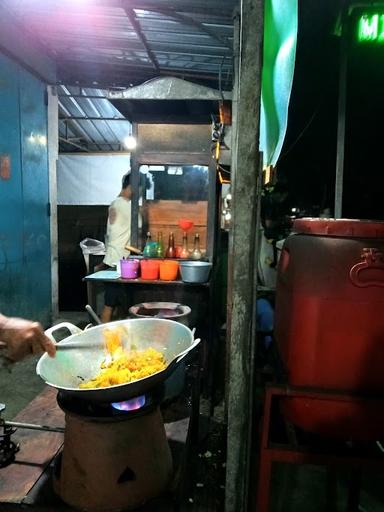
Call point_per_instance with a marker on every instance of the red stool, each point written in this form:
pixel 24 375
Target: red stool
pixel 294 454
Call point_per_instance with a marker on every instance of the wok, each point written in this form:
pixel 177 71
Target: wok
pixel 69 368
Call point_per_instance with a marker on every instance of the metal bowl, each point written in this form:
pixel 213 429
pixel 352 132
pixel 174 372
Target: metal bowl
pixel 195 271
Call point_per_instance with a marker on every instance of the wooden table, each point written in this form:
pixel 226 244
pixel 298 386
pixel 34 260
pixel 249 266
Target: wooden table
pixel 37 448
pixel 197 296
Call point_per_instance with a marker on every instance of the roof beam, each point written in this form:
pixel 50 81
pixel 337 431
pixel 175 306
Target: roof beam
pixel 74 144
pixel 137 28
pixel 108 75
pixel 95 42
pixel 195 6
pixel 82 118
pixel 190 21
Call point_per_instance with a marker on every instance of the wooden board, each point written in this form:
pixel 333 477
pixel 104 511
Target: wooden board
pixel 169 212
pixel 164 216
pixel 37 448
pixel 121 280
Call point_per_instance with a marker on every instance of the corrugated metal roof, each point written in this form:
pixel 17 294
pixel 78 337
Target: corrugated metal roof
pixel 107 43
pixel 100 44
pixel 87 123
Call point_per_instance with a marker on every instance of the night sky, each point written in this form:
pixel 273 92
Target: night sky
pixel 308 160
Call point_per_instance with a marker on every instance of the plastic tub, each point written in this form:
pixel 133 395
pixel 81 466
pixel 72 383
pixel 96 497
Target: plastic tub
pixel 169 270
pixel 130 268
pixel 149 270
pixel 195 271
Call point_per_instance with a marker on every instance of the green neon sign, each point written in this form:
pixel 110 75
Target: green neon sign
pixel 370 28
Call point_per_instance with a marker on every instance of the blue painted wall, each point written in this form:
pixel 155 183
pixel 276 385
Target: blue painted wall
pixel 25 271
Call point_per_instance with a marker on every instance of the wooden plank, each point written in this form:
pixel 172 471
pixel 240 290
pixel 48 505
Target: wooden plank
pixel 37 449
pixel 144 281
pixel 242 250
pixel 164 216
pixel 173 138
pixel 169 212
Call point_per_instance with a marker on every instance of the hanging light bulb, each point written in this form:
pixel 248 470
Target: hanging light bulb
pixel 130 142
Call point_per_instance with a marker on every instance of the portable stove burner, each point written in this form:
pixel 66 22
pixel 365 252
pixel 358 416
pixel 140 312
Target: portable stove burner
pixel 107 411
pixel 115 456
pixel 134 404
pixel 8 448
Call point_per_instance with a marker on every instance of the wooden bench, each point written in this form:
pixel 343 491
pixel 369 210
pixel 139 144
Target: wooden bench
pixel 37 448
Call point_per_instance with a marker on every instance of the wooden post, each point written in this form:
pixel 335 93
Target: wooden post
pixel 242 250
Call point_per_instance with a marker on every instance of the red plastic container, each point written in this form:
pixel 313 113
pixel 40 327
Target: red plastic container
pixel 329 324
pixel 149 269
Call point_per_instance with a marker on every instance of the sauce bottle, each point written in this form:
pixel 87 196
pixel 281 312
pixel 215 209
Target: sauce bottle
pixel 160 245
pixel 184 251
pixel 171 250
pixel 196 253
pixel 147 248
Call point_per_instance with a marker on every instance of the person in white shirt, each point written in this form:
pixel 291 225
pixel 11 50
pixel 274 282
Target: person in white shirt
pixel 119 225
pixel 118 236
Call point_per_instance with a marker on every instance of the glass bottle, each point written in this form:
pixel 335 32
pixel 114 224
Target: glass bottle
pixel 147 247
pixel 160 245
pixel 171 250
pixel 196 253
pixel 184 251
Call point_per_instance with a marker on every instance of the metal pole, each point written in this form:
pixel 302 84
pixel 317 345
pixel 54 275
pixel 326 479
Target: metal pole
pixel 242 250
pixel 340 150
pixel 32 426
pixel 135 182
pixel 74 144
pixel 53 150
pixel 92 118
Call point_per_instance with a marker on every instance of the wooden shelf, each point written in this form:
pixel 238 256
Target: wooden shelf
pixel 144 281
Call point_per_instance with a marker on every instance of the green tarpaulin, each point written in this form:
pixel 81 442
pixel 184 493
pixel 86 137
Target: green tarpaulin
pixel 280 36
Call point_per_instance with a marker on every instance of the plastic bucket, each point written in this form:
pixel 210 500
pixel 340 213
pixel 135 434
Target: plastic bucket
pixel 130 268
pixel 169 270
pixel 149 270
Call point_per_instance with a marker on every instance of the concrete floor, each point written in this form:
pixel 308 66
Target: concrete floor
pixel 294 488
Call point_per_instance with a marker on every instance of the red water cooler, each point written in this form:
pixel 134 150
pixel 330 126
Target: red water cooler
pixel 329 326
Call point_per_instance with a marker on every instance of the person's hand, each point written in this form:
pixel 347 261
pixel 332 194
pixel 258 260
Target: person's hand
pixel 100 266
pixel 22 337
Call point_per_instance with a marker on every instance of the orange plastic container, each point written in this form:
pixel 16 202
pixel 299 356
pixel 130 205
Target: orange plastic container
pixel 169 270
pixel 149 270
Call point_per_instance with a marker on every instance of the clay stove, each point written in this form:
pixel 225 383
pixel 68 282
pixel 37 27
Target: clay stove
pixel 115 456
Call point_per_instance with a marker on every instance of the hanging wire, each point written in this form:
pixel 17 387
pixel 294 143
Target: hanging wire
pixel 300 134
